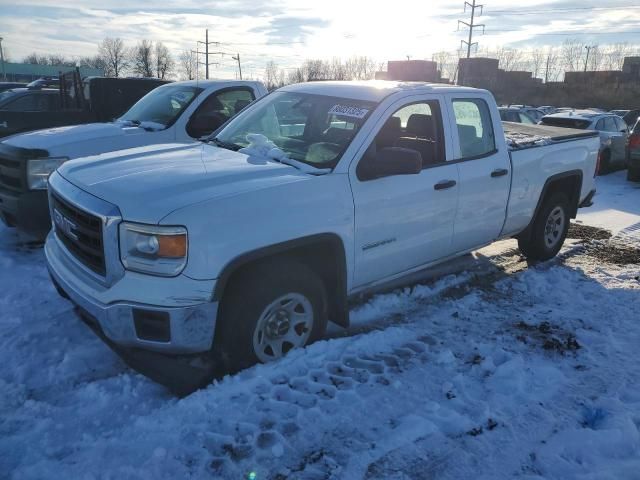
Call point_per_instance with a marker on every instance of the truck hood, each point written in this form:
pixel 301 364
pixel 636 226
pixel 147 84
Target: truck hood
pixel 55 139
pixel 148 183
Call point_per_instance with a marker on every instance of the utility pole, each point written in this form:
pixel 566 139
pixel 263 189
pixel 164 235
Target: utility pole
pixel 586 60
pixel 4 73
pixel 470 43
pixel 237 57
pixel 206 53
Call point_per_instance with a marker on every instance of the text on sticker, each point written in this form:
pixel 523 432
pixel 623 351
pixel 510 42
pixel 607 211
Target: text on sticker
pixel 347 111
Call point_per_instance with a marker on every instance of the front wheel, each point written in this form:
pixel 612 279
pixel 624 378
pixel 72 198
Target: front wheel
pixel 549 229
pixel 269 310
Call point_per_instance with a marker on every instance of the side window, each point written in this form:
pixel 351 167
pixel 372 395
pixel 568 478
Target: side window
pixel 475 128
pixel 416 127
pixel 524 118
pixel 217 109
pixel 25 103
pixel 621 125
pixel 600 125
pixel 610 125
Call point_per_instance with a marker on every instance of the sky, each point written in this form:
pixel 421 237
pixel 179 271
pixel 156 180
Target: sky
pixel 289 31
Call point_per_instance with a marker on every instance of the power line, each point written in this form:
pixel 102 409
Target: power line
pixel 560 10
pixel 471 25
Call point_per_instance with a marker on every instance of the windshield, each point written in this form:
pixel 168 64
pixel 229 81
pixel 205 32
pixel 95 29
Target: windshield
pixel 314 129
pixel 162 106
pixel 6 94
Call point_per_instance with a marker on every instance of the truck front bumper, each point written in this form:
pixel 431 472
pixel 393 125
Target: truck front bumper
pixel 166 315
pixel 28 211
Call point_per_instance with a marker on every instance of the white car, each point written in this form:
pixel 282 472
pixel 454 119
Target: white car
pixel 178 112
pixel 244 248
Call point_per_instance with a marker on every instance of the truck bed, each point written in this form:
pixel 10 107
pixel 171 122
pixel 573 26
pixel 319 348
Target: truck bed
pixel 520 136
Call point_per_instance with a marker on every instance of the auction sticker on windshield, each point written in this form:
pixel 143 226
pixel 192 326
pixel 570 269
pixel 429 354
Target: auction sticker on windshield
pixel 348 111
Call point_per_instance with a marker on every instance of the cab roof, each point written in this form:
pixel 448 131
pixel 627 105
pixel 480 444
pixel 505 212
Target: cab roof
pixel 372 90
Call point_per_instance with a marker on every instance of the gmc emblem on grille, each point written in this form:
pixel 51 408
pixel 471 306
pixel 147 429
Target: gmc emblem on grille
pixel 65 225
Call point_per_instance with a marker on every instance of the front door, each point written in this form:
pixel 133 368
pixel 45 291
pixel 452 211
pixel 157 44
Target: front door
pixel 405 221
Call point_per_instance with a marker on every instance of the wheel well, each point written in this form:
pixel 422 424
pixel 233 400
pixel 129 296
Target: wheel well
pixel 324 254
pixel 569 183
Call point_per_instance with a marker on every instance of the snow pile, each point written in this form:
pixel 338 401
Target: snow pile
pixel 534 375
pixel 261 146
pixel 517 140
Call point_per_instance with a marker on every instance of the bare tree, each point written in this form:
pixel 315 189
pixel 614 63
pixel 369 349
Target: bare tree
pixel 164 61
pixel 51 59
pixel 508 58
pixel 613 56
pixel 141 57
pixel 537 61
pixel 271 76
pixel 552 67
pixel 188 65
pixel 572 52
pixel 113 54
pixel 337 70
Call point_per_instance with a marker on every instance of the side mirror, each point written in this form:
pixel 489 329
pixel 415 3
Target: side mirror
pixel 201 125
pixel 389 162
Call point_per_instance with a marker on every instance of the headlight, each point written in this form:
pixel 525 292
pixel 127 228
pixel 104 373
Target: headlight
pixel 152 249
pixel 38 171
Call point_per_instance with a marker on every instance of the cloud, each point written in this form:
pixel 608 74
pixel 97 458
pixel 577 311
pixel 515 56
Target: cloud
pixel 290 28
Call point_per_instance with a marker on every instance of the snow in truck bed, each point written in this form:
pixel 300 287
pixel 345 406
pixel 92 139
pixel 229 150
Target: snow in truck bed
pixel 494 373
pixel 519 135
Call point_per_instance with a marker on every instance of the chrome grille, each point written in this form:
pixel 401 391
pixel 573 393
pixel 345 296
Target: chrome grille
pixel 11 175
pixel 80 232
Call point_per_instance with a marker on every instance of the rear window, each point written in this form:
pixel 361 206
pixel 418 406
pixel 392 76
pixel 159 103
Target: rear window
pixel 566 122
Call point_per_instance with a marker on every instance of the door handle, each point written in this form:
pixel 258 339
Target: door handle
pixel 443 185
pixel 501 172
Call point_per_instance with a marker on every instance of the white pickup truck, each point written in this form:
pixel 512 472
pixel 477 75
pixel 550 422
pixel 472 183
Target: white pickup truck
pixel 178 112
pixel 244 247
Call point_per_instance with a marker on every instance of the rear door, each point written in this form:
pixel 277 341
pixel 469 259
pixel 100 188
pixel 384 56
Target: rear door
pixel 405 221
pixel 483 169
pixel 617 131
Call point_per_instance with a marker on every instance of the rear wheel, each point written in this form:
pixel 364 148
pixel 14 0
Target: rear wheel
pixel 269 310
pixel 633 173
pixel 549 229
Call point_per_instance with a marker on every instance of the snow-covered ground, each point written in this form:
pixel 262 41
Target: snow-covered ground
pixel 495 372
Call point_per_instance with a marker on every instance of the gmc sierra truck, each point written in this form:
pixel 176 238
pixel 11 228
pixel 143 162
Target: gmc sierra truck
pixel 242 248
pixel 178 112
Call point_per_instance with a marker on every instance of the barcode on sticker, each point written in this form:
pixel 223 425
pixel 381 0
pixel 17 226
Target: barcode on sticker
pixel 348 111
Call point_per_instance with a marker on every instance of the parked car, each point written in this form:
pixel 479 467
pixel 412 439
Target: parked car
pixel 633 153
pixel 9 85
pixel 242 248
pixel 95 99
pixel 177 113
pixel 612 129
pixel 24 99
pixel 547 109
pixel 516 115
pixel 630 117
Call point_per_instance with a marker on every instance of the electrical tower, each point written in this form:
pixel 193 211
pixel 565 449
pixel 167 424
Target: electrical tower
pixel 206 53
pixel 471 25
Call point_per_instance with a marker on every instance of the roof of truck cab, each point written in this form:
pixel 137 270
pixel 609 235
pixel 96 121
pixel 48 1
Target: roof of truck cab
pixel 373 90
pixel 211 83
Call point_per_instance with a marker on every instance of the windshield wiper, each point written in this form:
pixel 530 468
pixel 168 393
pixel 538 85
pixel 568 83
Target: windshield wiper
pixel 227 145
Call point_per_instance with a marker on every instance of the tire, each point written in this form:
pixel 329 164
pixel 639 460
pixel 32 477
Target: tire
pixel 633 174
pixel 544 241
pixel 256 312
pixel 605 163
